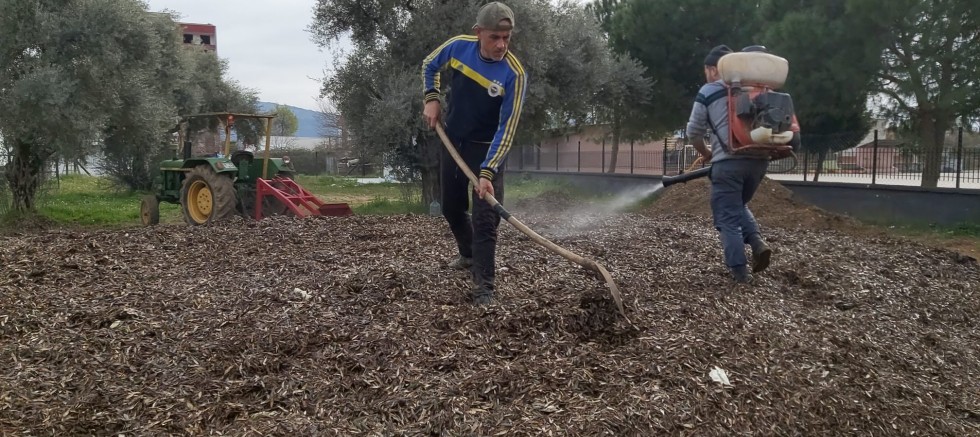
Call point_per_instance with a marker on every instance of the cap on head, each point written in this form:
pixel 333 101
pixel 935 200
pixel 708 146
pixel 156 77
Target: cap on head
pixel 492 17
pixel 715 54
pixel 755 48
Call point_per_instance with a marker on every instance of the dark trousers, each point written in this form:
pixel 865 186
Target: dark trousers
pixel 733 183
pixel 476 238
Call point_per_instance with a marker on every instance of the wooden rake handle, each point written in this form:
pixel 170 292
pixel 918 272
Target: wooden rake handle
pixel 577 259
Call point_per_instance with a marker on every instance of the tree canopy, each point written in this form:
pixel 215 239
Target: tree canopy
pixel 78 77
pixel 64 69
pixel 378 86
pixel 930 70
pixel 285 124
pixel 833 53
pixel 670 39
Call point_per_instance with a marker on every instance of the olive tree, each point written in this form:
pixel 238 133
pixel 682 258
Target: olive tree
pixel 378 87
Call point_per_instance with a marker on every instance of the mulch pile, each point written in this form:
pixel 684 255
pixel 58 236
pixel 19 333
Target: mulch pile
pixel 772 205
pixel 343 326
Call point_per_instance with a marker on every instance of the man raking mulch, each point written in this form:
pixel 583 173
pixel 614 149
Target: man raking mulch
pixel 577 259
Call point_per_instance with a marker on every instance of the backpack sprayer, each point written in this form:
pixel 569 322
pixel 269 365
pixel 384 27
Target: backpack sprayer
pixel 761 121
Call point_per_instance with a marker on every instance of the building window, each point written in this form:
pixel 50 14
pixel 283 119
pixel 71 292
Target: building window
pixel 206 40
pixel 188 38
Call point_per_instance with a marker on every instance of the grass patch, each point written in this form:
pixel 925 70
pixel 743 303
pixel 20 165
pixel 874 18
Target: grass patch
pixel 959 231
pixel 81 200
pixel 327 185
pixel 528 188
pixel 386 206
pixel 962 237
pixel 966 229
pixel 92 201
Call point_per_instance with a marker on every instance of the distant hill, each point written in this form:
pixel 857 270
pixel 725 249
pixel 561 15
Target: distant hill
pixel 309 120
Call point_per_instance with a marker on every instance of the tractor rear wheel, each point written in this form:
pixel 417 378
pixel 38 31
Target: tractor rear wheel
pixel 207 197
pixel 150 210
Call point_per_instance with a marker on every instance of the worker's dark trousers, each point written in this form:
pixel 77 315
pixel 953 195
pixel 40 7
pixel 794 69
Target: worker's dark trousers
pixel 733 183
pixel 476 238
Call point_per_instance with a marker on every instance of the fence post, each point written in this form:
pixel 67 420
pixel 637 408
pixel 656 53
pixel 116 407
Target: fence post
pixel 806 163
pixel 603 169
pixel 874 160
pixel 632 156
pixel 556 156
pixel 663 159
pixel 537 162
pixel 959 156
pixel 579 156
pixel 522 157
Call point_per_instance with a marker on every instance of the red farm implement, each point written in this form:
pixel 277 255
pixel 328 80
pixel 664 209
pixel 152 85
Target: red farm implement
pixel 296 199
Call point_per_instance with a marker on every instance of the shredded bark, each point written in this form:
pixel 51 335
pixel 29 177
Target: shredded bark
pixel 342 326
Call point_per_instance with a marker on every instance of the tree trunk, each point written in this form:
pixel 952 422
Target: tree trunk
pixel 616 133
pixel 24 175
pixel 430 153
pixel 932 134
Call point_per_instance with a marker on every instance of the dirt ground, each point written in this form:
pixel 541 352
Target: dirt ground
pixel 344 326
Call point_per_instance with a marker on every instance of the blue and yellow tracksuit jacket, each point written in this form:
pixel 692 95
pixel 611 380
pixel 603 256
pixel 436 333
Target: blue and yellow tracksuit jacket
pixel 485 100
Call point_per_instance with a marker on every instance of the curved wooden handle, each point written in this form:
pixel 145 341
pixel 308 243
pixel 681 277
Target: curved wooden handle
pixel 577 259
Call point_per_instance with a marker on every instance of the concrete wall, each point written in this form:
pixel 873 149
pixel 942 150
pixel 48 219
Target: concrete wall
pixel 878 203
pixel 892 204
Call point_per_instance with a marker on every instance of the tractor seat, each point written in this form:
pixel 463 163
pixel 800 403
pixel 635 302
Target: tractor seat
pixel 240 155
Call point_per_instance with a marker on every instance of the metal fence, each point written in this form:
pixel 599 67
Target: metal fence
pixel 876 158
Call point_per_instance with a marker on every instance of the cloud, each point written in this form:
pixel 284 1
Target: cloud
pixel 266 44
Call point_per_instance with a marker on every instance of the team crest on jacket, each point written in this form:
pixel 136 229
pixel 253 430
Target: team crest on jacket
pixel 494 90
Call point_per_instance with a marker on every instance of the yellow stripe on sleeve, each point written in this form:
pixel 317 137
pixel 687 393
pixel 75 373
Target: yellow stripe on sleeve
pixel 428 59
pixel 510 129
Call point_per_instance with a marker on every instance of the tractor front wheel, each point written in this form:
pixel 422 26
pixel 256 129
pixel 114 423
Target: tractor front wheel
pixel 207 197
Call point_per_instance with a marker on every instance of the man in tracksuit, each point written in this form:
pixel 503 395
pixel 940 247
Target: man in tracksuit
pixel 734 178
pixel 485 102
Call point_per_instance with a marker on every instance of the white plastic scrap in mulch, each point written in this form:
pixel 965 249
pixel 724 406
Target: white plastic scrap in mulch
pixel 305 295
pixel 720 376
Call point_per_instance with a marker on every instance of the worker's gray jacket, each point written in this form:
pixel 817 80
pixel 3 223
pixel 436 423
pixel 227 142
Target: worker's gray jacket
pixel 712 104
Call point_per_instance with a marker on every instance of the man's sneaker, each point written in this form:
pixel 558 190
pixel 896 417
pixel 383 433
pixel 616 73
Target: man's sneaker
pixel 741 275
pixel 461 263
pixel 761 258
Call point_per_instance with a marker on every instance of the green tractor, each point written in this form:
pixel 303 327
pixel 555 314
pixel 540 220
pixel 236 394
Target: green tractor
pixel 217 187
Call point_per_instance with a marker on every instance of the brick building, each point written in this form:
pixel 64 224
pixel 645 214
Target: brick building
pixel 196 34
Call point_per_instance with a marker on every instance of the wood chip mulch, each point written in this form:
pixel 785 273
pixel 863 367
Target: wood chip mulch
pixel 354 326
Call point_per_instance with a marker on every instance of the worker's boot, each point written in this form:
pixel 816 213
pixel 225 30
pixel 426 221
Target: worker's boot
pixel 741 275
pixel 461 263
pixel 761 253
pixel 482 294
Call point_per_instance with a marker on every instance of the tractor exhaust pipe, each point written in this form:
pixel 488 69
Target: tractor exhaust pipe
pixel 686 177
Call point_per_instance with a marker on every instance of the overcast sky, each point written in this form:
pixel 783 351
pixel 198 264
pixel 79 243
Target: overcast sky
pixel 265 43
